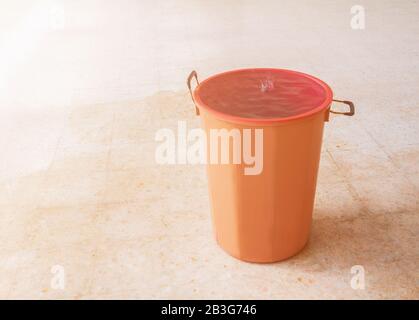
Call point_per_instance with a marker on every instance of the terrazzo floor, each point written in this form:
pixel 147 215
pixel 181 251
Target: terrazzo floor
pixel 80 191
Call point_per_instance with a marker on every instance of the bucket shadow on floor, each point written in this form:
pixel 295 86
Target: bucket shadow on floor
pixel 373 241
pixel 358 238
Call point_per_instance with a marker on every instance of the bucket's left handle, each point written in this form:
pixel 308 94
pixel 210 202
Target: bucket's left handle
pixel 188 82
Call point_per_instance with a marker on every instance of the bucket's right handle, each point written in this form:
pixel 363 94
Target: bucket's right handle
pixel 347 102
pixel 193 74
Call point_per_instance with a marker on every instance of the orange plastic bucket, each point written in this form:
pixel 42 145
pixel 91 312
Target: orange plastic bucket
pixel 265 217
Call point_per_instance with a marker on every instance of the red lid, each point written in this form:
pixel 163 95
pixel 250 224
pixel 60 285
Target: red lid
pixel 263 95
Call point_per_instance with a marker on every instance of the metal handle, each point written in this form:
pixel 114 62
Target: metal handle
pixel 193 74
pixel 351 108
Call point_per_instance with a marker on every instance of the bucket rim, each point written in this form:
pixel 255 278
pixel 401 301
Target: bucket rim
pixel 236 119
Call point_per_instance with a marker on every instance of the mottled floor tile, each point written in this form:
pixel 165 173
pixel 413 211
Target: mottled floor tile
pixel 363 164
pixel 337 200
pixel 71 188
pixel 53 272
pixel 328 170
pixel 390 194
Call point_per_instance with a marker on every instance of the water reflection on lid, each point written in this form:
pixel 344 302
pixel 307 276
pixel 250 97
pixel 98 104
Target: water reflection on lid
pixel 263 93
